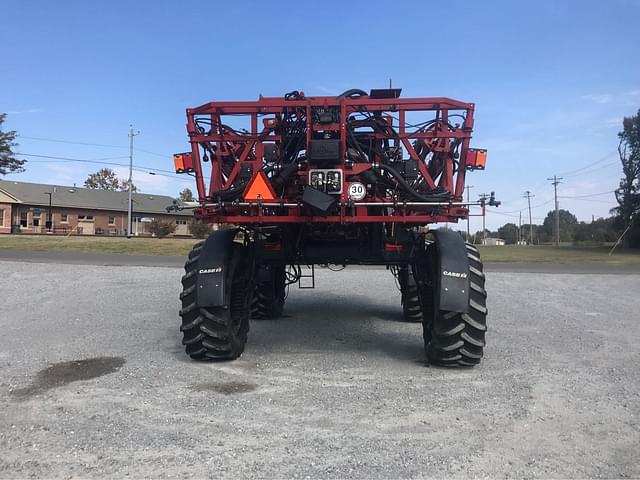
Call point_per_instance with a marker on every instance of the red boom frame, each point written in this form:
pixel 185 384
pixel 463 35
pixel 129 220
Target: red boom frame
pixel 443 168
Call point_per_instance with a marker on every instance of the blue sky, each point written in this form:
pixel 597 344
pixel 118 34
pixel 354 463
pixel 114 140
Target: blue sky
pixel 551 80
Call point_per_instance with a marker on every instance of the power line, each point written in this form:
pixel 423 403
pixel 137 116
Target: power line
pixel 607 202
pixel 72 142
pixel 98 161
pixel 588 195
pixel 95 160
pixel 89 144
pixel 572 172
pixel 153 153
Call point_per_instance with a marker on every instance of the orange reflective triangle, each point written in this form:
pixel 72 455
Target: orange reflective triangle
pixel 259 188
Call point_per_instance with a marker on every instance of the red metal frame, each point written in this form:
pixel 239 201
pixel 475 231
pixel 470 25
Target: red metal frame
pixel 440 170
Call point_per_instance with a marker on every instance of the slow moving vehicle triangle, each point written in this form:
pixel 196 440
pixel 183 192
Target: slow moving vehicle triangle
pixel 259 188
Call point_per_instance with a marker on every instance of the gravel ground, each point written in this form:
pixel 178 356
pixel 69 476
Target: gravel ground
pixel 94 382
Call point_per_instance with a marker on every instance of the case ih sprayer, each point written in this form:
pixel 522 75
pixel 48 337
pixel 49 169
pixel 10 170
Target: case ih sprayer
pixel 297 181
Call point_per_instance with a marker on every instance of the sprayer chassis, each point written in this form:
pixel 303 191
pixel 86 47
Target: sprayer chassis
pixel 334 187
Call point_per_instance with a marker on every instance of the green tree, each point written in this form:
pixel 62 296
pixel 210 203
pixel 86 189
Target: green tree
pixel 509 233
pixel 199 229
pixel 538 234
pixel 628 193
pixel 599 231
pixel 186 195
pixel 161 228
pixel 124 186
pixel 106 179
pixel 8 162
pixel 568 222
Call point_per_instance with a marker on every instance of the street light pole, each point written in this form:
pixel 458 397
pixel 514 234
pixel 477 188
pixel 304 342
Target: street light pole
pixel 130 202
pixel 49 216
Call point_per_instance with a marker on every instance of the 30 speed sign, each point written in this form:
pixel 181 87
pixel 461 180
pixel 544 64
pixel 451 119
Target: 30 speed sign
pixel 357 191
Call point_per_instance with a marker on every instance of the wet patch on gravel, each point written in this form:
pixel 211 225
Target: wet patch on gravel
pixel 63 373
pixel 226 388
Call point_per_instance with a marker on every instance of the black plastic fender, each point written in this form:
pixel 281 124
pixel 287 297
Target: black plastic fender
pixel 452 271
pixel 212 272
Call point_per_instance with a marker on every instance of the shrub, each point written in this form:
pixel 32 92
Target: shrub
pixel 161 228
pixel 199 230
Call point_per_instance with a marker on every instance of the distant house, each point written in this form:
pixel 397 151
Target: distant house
pixel 24 208
pixel 493 241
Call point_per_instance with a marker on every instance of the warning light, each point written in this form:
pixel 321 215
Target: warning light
pixel 183 162
pixel 476 159
pixel 259 188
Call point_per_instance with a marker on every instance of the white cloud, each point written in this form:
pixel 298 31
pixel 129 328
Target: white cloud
pixel 60 174
pixel 599 97
pixel 28 110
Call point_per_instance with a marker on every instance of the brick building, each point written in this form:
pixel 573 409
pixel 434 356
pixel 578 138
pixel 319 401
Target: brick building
pixel 24 208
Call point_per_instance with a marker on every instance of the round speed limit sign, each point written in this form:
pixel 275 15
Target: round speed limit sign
pixel 357 191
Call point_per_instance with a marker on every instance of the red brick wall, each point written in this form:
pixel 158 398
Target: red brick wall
pixel 100 223
pixel 5 217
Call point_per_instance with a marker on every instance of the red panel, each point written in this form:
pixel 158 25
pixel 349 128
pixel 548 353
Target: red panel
pixel 232 151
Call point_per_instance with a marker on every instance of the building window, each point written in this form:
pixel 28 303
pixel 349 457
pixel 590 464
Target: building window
pixel 1 217
pixel 181 222
pixel 64 218
pixel 85 217
pixel 23 219
pixel 36 219
pixel 112 220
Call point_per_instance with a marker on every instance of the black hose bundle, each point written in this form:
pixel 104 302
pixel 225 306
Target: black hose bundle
pixel 436 195
pixel 353 93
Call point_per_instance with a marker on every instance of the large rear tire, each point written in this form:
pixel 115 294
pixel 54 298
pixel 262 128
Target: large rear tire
pixel 217 333
pixel 269 296
pixel 409 296
pixel 454 339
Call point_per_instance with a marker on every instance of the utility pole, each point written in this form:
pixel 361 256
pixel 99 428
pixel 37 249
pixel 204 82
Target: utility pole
pixel 520 228
pixel 483 202
pixel 132 134
pixel 528 196
pixel 467 188
pixel 555 182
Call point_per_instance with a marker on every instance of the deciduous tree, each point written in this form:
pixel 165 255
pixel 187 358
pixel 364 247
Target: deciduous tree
pixel 186 195
pixel 567 220
pixel 508 232
pixel 106 179
pixel 628 193
pixel 161 228
pixel 8 162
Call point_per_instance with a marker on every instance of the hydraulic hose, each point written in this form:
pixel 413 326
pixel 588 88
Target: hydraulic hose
pixel 408 188
pixel 353 92
pixel 235 192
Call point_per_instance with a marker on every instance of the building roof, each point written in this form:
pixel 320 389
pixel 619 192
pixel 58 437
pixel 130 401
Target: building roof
pixel 77 197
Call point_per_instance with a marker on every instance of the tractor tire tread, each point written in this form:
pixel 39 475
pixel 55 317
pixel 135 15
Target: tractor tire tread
pixel 212 333
pixel 455 339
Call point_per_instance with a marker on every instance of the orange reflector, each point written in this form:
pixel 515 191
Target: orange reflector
pixel 178 162
pixel 259 188
pixel 476 159
pixel 393 247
